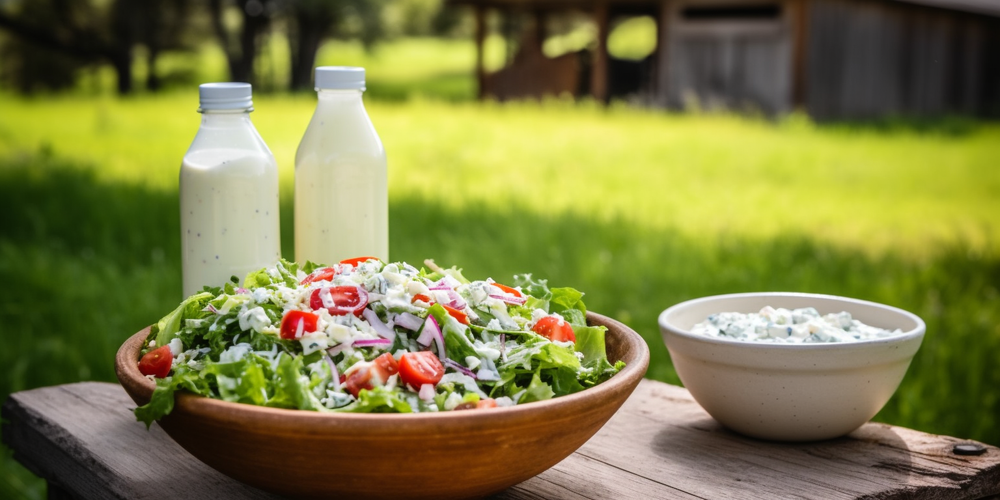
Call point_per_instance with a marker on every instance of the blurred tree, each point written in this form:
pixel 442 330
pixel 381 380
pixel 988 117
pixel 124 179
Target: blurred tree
pixel 424 18
pixel 162 28
pixel 28 68
pixel 70 34
pixel 310 22
pixel 240 34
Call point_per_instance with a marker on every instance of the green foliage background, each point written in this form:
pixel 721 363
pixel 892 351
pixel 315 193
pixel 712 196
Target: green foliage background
pixel 640 209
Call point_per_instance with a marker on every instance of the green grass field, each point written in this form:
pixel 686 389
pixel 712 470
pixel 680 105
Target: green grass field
pixel 639 209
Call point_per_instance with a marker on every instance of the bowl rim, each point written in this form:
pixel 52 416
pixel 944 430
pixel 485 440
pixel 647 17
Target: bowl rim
pixel 288 419
pixel 908 335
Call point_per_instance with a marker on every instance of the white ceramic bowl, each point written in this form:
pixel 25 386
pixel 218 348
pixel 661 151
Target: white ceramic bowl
pixel 790 392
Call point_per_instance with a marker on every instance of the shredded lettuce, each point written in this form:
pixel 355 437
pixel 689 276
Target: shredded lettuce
pixel 228 357
pixel 379 400
pixel 169 326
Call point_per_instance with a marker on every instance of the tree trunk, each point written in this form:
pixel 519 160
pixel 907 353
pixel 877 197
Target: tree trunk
pixel 152 78
pixel 233 58
pixel 121 60
pixel 307 37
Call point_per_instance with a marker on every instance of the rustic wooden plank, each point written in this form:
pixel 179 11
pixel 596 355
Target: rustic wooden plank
pixel 674 440
pixel 661 444
pixel 84 438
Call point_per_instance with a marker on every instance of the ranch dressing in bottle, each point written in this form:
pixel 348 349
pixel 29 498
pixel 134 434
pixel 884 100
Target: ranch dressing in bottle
pixel 229 193
pixel 341 188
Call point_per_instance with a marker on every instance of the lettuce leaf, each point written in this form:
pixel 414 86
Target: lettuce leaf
pixel 590 343
pixel 243 381
pixel 438 273
pixel 162 401
pixel 457 343
pixel 170 325
pixel 565 301
pixel 537 390
pixel 378 400
pixel 291 386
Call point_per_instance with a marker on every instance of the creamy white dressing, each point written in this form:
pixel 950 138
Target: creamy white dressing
pixel 229 203
pixel 341 184
pixel 795 326
pixel 400 284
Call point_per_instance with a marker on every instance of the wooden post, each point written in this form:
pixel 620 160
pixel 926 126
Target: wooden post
pixel 661 85
pixel 480 35
pixel 599 66
pixel 541 31
pixel 799 19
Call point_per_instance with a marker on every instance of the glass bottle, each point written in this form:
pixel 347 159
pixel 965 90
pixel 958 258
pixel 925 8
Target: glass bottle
pixel 341 187
pixel 228 193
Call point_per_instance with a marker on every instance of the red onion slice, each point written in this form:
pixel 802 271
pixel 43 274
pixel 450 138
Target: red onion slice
pixel 503 346
pixel 372 343
pixel 409 321
pixel 335 350
pixel 432 332
pixel 457 367
pixel 440 285
pixel 242 290
pixel 510 299
pixel 212 308
pixel 380 328
pixel 333 373
pixel 456 300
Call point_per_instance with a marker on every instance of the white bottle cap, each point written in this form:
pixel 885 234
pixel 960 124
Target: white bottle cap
pixel 225 95
pixel 340 78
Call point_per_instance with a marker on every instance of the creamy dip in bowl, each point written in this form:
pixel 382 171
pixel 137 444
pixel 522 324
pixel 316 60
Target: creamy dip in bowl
pixel 796 326
pixel 790 391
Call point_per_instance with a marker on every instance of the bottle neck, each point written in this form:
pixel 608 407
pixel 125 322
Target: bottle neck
pixel 225 117
pixel 341 95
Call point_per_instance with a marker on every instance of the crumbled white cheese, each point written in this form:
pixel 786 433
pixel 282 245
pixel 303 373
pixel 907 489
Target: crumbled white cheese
pixel 176 347
pixel 796 326
pixel 253 318
pixel 472 362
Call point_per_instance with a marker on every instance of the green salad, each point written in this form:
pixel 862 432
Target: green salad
pixel 368 336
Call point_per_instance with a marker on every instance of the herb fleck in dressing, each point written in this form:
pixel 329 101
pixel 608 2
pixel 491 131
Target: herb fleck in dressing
pixel 784 326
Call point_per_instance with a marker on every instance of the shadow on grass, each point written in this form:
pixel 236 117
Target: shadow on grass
pixel 85 264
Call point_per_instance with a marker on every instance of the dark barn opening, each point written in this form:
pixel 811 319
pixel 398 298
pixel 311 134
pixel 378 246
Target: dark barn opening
pixel 834 59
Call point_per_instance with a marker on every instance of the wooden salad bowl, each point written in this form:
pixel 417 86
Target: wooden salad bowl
pixel 462 454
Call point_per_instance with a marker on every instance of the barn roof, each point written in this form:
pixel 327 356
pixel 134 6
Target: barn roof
pixel 987 7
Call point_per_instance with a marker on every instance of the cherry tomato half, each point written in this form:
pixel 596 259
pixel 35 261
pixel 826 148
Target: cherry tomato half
pixel 322 274
pixel 292 320
pixel 375 373
pixel 419 368
pixel 157 362
pixel 455 313
pixel 486 403
pixel 357 260
pixel 554 328
pixel 340 300
pixel 512 291
pixel 357 380
pixel 384 367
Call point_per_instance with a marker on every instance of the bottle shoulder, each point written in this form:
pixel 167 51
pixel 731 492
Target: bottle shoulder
pixel 331 136
pixel 233 146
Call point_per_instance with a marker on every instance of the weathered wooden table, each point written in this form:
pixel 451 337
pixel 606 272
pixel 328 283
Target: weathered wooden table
pixel 83 439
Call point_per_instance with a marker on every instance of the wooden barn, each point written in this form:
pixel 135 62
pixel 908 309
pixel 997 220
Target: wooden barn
pixel 835 59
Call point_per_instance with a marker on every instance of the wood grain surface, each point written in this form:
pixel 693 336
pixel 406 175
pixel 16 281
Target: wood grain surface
pixel 661 444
